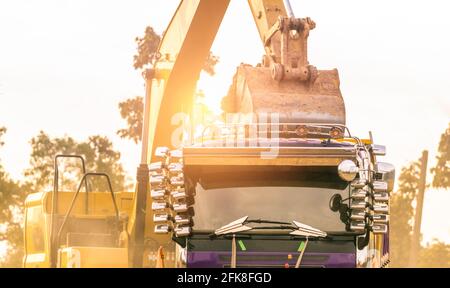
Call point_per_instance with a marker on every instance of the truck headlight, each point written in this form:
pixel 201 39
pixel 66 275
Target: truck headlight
pixel 348 170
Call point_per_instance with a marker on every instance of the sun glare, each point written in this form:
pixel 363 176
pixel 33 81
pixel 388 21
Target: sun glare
pixel 3 249
pixel 214 88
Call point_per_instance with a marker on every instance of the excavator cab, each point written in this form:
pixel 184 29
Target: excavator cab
pixel 81 228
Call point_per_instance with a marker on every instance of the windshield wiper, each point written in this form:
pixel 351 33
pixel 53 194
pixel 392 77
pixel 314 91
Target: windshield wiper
pixel 307 231
pixel 261 221
pixel 240 225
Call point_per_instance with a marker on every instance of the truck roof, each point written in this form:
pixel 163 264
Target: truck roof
pixel 286 152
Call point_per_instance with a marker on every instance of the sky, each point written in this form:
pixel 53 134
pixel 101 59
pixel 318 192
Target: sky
pixel 65 65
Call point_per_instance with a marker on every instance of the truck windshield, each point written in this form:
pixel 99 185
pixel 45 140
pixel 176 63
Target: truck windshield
pixel 278 194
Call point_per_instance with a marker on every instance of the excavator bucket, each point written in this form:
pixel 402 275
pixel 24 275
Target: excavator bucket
pixel 254 91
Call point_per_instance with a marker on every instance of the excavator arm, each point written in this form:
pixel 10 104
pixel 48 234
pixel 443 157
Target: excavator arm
pixel 284 38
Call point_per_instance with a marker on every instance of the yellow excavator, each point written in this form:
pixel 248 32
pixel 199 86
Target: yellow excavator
pixel 287 186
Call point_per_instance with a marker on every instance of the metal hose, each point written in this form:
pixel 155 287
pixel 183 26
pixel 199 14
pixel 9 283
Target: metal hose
pixel 287 5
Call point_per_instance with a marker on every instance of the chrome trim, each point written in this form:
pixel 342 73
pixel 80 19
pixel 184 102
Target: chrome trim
pixel 358 215
pixel 380 229
pixel 381 207
pixel 161 218
pixel 358 225
pixel 380 218
pixel 358 205
pixel 162 229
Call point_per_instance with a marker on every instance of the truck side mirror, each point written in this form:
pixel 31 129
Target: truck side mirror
pixel 335 202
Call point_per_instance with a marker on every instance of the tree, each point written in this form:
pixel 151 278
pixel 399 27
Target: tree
pixel 11 207
pixel 97 151
pixel 11 203
pixel 442 170
pixel 132 110
pixel 403 200
pixel 436 255
pixel 44 149
pixel 210 64
pixel 146 48
pixel 101 157
pixel 402 213
pixel 2 132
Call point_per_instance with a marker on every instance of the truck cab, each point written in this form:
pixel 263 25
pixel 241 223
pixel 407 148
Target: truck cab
pixel 242 206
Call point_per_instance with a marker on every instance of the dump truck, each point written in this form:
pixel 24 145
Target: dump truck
pixel 280 181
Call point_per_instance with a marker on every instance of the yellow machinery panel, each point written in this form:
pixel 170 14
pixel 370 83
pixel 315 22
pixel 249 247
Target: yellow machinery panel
pixel 37 229
pixel 93 257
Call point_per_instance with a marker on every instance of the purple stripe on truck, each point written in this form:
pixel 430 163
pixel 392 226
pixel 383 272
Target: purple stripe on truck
pixel 215 259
